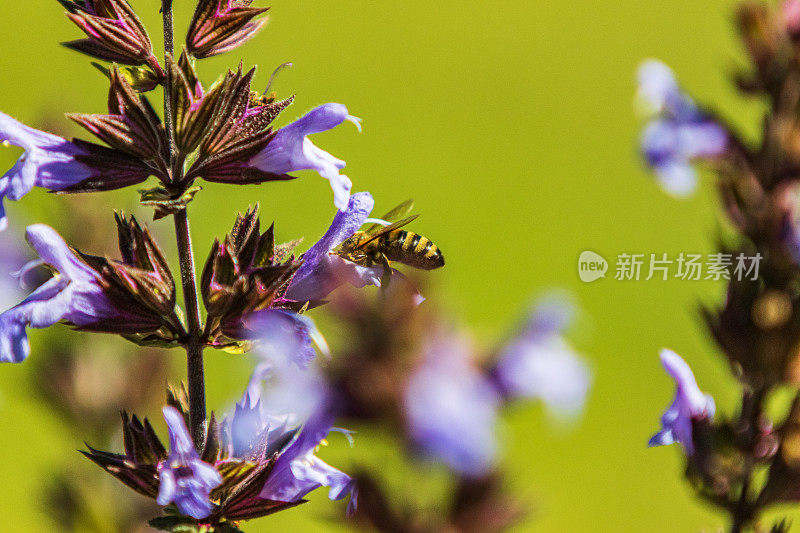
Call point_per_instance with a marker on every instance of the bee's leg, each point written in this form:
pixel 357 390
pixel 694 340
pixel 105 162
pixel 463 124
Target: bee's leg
pixel 387 271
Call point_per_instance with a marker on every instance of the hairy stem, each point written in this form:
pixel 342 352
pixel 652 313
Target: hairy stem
pixel 194 346
pixel 169 49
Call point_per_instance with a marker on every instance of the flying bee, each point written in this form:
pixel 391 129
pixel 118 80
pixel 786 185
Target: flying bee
pixel 379 245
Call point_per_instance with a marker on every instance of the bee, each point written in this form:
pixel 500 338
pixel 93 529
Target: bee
pixel 379 245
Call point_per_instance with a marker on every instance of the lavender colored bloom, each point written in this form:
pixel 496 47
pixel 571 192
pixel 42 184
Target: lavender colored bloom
pixel 49 161
pixel 73 294
pixel 451 409
pixel 285 334
pixel 184 479
pixel 253 431
pixel 322 272
pixel 292 418
pixel 298 471
pixel 679 132
pixel 290 150
pixel 539 363
pixel 690 404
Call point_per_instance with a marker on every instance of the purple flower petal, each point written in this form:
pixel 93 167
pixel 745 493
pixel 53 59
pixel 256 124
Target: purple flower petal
pixel 284 334
pixel 290 150
pixel 690 404
pixel 322 272
pixel 268 421
pixel 790 9
pixel 184 479
pixel 540 364
pixel 678 134
pixel 451 409
pixel 74 294
pixel 298 471
pixel 49 161
pixel 548 369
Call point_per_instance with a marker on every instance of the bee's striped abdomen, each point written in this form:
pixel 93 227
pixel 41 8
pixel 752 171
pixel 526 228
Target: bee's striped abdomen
pixel 412 249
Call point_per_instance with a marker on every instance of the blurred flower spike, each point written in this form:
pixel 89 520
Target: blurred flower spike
pixel 678 133
pixel 689 406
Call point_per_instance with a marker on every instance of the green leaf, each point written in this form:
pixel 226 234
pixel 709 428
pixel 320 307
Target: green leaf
pixel 161 201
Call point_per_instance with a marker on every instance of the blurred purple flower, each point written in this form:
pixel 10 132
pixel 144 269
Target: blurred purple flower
pixel 322 272
pixel 451 409
pixel 290 150
pixel 49 161
pixel 539 363
pixel 73 294
pixel 292 419
pixel 690 404
pixel 184 479
pixel 679 132
pixel 285 334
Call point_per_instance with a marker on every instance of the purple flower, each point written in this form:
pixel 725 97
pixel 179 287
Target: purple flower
pixel 290 150
pixel 73 294
pixel 49 161
pixel 285 334
pixel 298 471
pixel 322 272
pixel 679 133
pixel 690 404
pixel 184 479
pixel 539 363
pixel 451 409
pixel 293 417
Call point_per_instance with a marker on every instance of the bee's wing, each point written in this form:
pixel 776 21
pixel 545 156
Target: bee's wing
pixel 386 229
pixel 397 213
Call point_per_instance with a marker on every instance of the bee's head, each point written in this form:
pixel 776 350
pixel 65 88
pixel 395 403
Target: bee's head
pixel 351 244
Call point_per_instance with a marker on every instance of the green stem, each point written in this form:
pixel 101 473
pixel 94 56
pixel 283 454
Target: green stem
pixel 194 345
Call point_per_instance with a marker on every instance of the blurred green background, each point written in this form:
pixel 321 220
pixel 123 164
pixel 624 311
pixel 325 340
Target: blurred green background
pixel 511 124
